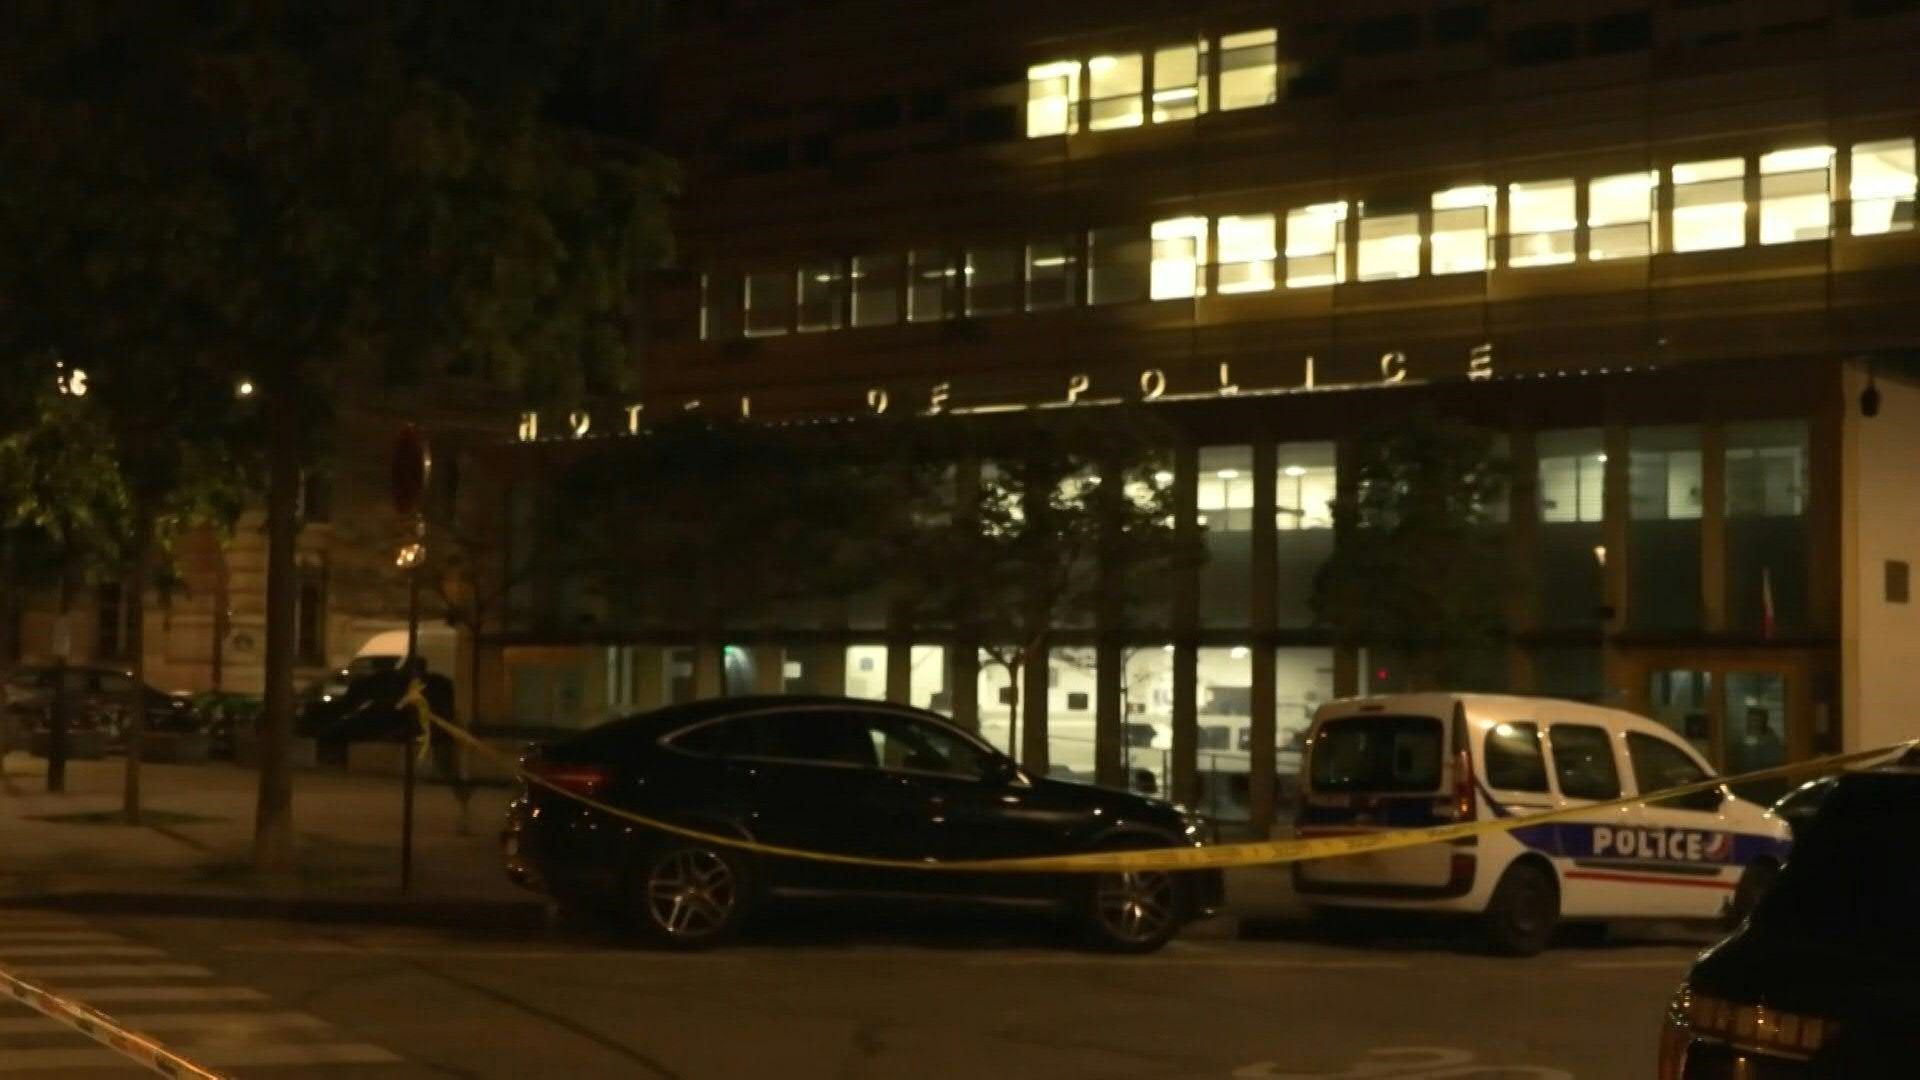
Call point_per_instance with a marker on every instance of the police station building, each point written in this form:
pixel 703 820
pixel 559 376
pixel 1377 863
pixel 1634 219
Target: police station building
pixel 1668 249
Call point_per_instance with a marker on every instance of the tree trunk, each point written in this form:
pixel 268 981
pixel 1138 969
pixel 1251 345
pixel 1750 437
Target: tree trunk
pixel 133 597
pixel 273 814
pixel 1033 739
pixel 222 614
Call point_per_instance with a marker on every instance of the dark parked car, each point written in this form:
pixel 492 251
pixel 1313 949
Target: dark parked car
pixel 96 700
pixel 1802 804
pixel 830 775
pixel 1823 979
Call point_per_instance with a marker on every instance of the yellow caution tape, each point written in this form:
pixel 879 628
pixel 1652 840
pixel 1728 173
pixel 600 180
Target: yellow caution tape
pixel 1213 857
pixel 416 699
pixel 102 1029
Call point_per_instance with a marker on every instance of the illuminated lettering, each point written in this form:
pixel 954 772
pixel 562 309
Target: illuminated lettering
pixel 877 400
pixel 937 397
pixel 1393 367
pixel 1309 383
pixel 746 407
pixel 529 426
pixel 1077 385
pixel 1227 386
pixel 1153 383
pixel 691 405
pixel 581 422
pixel 1480 362
pixel 633 419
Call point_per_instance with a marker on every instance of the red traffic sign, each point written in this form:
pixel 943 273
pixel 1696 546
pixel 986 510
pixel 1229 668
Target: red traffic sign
pixel 412 468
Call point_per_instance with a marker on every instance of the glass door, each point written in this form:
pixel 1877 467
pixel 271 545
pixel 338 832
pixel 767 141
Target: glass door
pixel 1754 735
pixel 1683 701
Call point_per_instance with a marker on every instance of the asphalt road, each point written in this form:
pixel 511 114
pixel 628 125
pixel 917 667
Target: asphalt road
pixel 859 996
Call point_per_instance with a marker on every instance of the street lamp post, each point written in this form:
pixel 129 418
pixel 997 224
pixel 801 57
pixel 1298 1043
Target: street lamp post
pixel 412 468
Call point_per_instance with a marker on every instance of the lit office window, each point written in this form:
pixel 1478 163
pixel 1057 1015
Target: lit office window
pixel 820 287
pixel 1882 187
pixel 1462 230
pixel 1767 469
pixel 876 290
pixel 993 281
pixel 1247 253
pixel 1541 220
pixel 1119 261
pixel 1664 476
pixel 1053 98
pixel 930 275
pixel 1573 476
pixel 1179 82
pixel 1114 84
pixel 1304 487
pixel 1796 195
pixel 1316 245
pixel 1620 216
pixel 769 303
pixel 1049 274
pixel 1709 204
pixel 1249 69
pixel 719 306
pixel 1225 488
pixel 1389 242
pixel 1179 258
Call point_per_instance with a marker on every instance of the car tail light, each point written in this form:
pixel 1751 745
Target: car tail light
pixel 1756 1028
pixel 1461 806
pixel 572 779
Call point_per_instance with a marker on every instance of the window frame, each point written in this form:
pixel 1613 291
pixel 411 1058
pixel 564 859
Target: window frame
pixel 1553 750
pixel 1540 746
pixel 1698 802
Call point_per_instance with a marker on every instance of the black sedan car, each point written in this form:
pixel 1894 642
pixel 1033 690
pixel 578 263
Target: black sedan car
pixel 839 776
pixel 1823 979
pixel 96 699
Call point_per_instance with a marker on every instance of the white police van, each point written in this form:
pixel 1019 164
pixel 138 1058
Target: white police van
pixel 1412 760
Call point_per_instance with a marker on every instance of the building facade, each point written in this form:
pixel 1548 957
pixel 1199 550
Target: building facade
pixel 1664 246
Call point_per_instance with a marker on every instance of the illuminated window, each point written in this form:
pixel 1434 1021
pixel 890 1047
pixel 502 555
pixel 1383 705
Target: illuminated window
pixel 1179 82
pixel 1573 476
pixel 1767 469
pixel 1620 216
pixel 1249 69
pixel 769 303
pixel 1304 487
pixel 1226 488
pixel 1119 260
pixel 1882 187
pixel 1664 477
pixel 930 281
pixel 719 306
pixel 820 287
pixel 1541 219
pixel 1709 205
pixel 1462 233
pixel 1316 245
pixel 1049 274
pixel 876 290
pixel 993 281
pixel 1053 98
pixel 1113 88
pixel 1247 253
pixel 1796 195
pixel 1389 242
pixel 1179 258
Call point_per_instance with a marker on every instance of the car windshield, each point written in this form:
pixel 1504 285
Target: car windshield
pixel 1846 881
pixel 1377 754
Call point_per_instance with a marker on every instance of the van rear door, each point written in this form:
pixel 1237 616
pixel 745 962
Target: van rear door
pixel 1370 771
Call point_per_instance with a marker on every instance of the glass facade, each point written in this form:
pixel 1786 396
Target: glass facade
pixel 930 284
pixel 1053 98
pixel 1114 84
pixel 1249 69
pixel 876 290
pixel 1620 216
pixel 1709 204
pixel 1225 491
pixel 1767 534
pixel 821 286
pixel 1050 276
pixel 1179 258
pixel 1665 500
pixel 1542 219
pixel 1796 195
pixel 1882 187
pixel 1180 82
pixel 1569 572
pixel 1072 702
pixel 1247 253
pixel 1120 263
pixel 1317 245
pixel 769 303
pixel 1463 229
pixel 1304 483
pixel 993 281
pixel 1389 242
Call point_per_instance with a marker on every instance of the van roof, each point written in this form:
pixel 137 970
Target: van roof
pixel 1489 706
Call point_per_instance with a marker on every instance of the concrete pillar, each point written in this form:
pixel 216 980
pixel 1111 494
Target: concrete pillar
pixel 707 679
pixel 769 669
pixel 1109 730
pixel 963 669
pixel 1262 782
pixel 1713 527
pixel 1523 540
pixel 1621 676
pixel 1033 711
pixel 1183 762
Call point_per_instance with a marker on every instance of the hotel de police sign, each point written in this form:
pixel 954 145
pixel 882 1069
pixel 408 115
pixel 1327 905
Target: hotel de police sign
pixel 1393 368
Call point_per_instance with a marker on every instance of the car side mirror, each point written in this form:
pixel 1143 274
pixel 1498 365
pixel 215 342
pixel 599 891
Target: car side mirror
pixel 1001 771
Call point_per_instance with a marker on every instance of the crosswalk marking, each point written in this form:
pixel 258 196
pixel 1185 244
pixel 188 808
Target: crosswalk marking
pixel 23 952
pixel 210 1025
pixel 239 1029
pixel 112 971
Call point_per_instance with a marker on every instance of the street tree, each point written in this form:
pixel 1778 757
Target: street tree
pixel 354 195
pixel 1419 568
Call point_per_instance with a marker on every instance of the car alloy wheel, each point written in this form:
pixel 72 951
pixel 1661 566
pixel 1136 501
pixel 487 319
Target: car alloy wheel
pixel 1135 909
pixel 691 895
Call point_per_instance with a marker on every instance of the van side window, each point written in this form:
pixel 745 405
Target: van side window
pixel 1658 765
pixel 1583 762
pixel 1513 758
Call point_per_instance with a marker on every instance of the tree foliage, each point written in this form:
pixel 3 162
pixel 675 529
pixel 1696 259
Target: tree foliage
pixel 1419 565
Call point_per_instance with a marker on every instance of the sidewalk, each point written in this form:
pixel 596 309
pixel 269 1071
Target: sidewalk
pixel 194 853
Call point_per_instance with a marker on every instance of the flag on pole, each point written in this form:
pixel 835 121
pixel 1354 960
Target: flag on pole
pixel 1766 603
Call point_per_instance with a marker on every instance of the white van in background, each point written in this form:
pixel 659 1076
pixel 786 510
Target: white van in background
pixel 1413 760
pixel 439 644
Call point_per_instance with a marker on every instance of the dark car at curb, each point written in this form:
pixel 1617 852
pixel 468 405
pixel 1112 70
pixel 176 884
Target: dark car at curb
pixel 838 776
pixel 1823 978
pixel 95 700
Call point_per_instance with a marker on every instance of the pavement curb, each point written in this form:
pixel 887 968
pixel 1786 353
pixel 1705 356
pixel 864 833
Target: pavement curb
pixel 485 915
